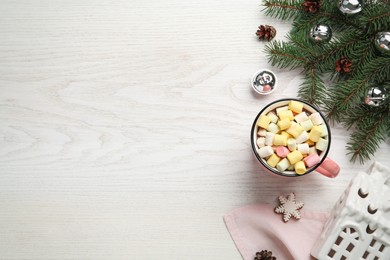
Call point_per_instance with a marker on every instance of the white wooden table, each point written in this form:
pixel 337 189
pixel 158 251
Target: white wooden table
pixel 124 128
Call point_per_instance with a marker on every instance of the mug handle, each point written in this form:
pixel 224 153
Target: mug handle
pixel 328 168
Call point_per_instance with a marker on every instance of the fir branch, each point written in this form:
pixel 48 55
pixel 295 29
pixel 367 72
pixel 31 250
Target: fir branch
pixel 353 38
pixel 379 16
pixel 366 54
pixel 359 114
pixel 330 16
pixel 376 18
pixel 282 9
pixel 356 116
pixel 345 45
pixel 363 144
pixel 285 55
pixel 302 41
pixel 372 131
pixel 304 23
pixel 350 92
pixel 377 69
pixel 312 89
pixel 339 100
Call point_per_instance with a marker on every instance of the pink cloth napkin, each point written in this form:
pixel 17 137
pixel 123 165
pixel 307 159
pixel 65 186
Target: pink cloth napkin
pixel 258 227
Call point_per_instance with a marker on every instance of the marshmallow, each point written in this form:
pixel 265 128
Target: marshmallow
pixel 316 118
pixel 315 133
pixel 294 157
pixel 286 134
pixel 322 144
pixel 282 151
pixel 300 168
pixel 262 132
pixel 310 142
pixel 303 148
pixel 273 117
pixel 295 106
pixel 291 144
pixel 283 165
pixel 291 167
pixel 273 128
pixel 260 142
pixel 312 160
pixel 280 109
pixel 307 125
pixel 301 117
pixel 265 151
pixel 295 129
pixel 312 150
pixel 269 138
pixel 286 114
pixel 324 130
pixel 273 160
pixel 280 140
pixel 303 137
pixel 284 124
pixel 263 121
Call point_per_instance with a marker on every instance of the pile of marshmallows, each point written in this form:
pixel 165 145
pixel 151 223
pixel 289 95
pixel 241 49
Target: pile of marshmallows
pixel 291 139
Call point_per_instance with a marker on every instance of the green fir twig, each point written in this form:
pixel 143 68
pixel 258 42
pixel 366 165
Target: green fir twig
pixel 353 39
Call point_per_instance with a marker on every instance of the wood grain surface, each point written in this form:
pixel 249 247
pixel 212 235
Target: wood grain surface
pixel 124 128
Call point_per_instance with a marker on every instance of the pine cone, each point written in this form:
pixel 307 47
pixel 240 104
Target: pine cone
pixel 311 6
pixel 264 255
pixel 266 32
pixel 344 65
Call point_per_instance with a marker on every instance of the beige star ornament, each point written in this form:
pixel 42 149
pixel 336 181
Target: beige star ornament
pixel 289 207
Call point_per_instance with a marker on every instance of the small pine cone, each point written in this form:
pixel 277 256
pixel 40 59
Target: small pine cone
pixel 311 6
pixel 264 255
pixel 344 65
pixel 266 32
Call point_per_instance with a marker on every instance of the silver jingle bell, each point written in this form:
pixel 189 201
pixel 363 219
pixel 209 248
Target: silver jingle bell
pixel 376 96
pixel 382 42
pixel 321 33
pixel 264 82
pixel 350 6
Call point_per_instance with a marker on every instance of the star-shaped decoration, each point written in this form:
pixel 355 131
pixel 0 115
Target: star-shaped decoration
pixel 289 207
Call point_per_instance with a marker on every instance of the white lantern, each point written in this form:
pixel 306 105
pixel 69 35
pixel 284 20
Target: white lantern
pixel 359 226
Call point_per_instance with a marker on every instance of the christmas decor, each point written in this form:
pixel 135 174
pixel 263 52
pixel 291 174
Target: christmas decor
pixel 358 227
pixel 357 33
pixel 289 207
pixel 264 255
pixel 382 42
pixel 343 65
pixel 311 6
pixel 350 6
pixel 264 82
pixel 321 33
pixel 266 32
pixel 376 96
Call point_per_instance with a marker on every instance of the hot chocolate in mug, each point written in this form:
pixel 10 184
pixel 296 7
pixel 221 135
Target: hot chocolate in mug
pixel 306 150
